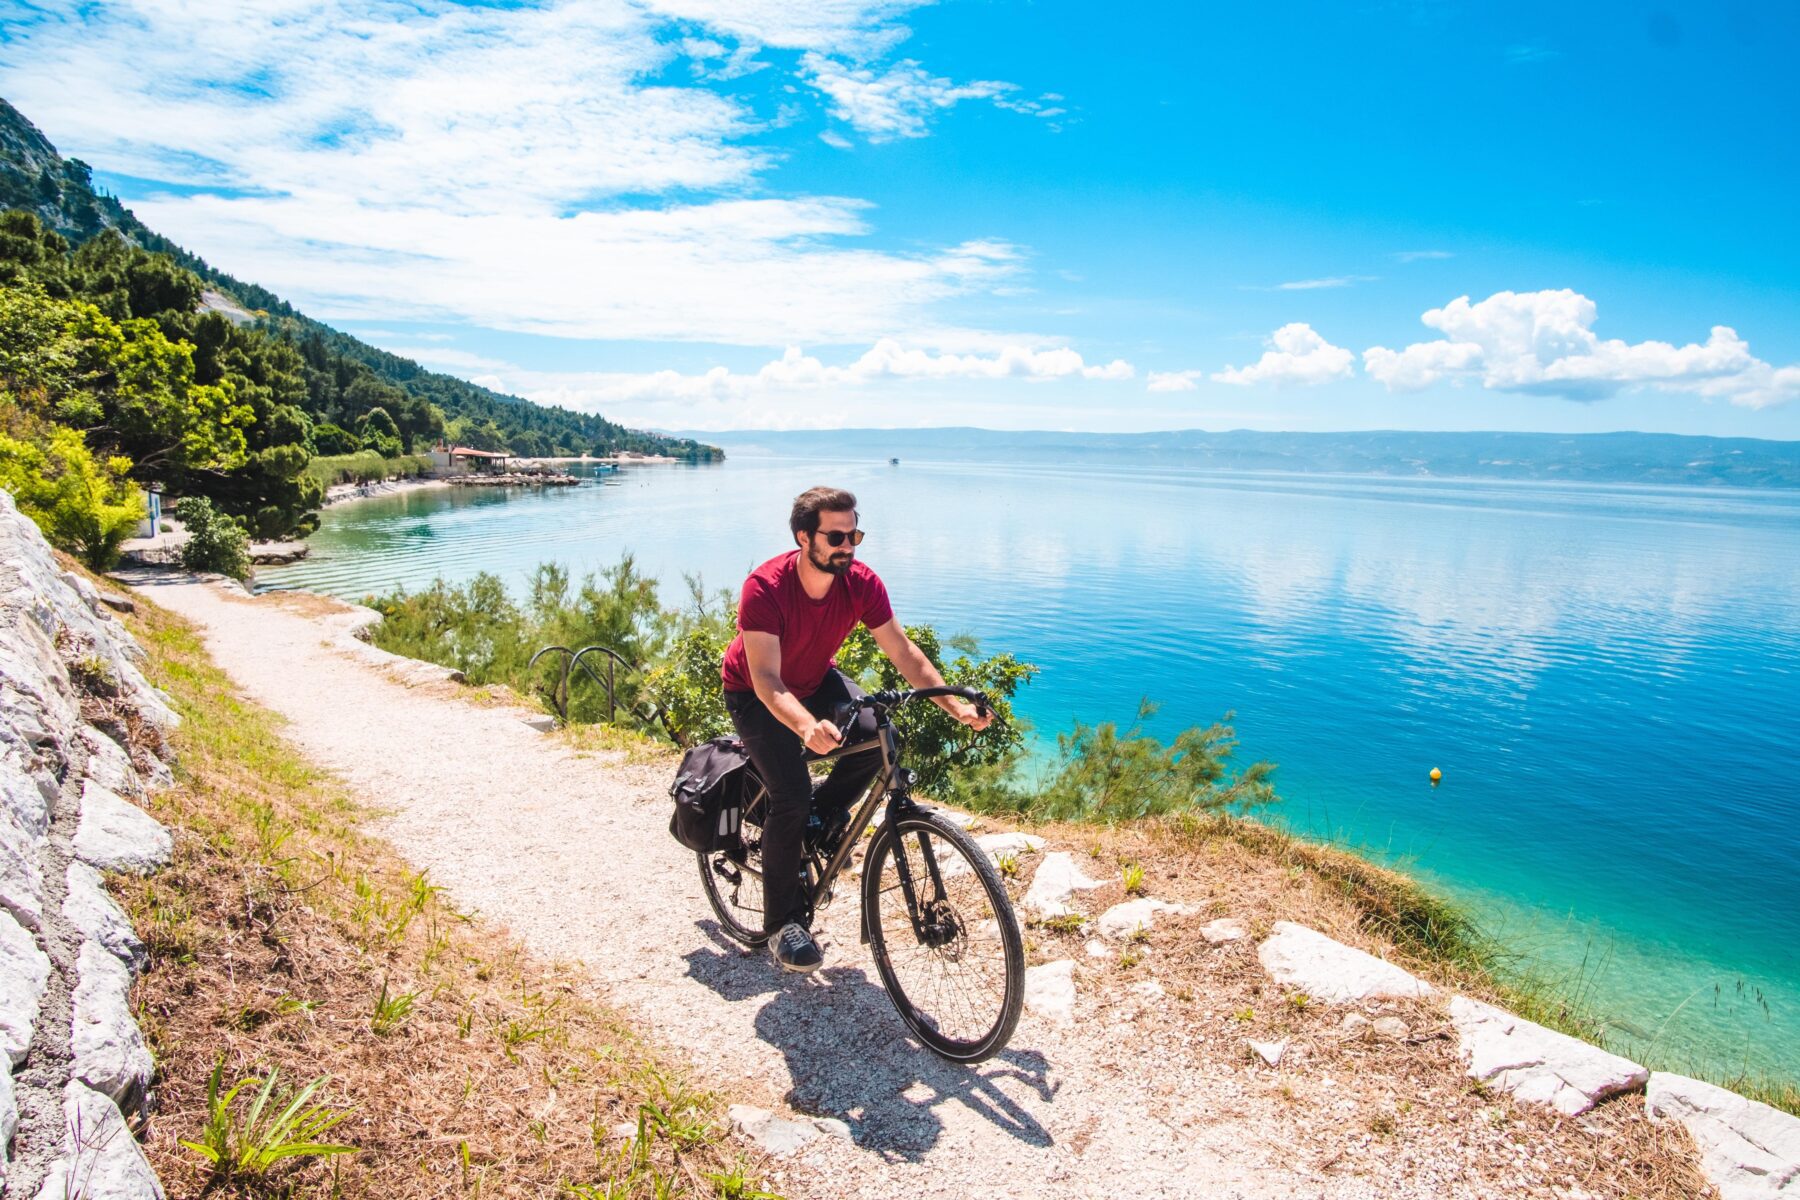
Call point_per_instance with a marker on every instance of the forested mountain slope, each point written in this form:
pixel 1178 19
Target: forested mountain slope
pixel 346 378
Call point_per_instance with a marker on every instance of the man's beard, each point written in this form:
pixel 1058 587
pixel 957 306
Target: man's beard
pixel 834 563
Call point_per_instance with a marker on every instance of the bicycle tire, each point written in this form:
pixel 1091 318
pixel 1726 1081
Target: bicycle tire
pixel 738 905
pixel 965 904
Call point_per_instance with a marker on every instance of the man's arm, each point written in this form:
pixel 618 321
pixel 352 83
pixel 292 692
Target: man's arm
pixel 763 650
pixel 917 670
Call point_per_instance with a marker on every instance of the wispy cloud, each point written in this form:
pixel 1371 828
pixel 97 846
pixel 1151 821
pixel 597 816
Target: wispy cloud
pixel 1313 285
pixel 1407 256
pixel 1297 355
pixel 899 101
pixel 1174 381
pixel 489 164
pixel 1543 343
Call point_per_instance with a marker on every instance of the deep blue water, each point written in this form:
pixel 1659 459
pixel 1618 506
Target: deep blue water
pixel 1608 677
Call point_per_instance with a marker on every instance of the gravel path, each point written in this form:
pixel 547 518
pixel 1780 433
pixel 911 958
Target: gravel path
pixel 573 855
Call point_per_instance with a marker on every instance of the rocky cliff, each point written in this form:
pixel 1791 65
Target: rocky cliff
pixel 82 736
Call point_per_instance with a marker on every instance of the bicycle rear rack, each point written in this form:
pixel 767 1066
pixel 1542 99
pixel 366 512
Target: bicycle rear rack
pixel 559 694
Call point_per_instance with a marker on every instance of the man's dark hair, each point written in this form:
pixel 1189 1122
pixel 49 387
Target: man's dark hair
pixel 813 501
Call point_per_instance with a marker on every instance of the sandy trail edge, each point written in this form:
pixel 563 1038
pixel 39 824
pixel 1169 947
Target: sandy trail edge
pixel 572 854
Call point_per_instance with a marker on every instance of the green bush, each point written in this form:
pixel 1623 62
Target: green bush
pixel 84 506
pixel 329 439
pixel 216 541
pixel 940 751
pixel 483 632
pixel 1104 775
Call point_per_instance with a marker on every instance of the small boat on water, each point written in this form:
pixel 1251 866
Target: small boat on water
pixel 893 462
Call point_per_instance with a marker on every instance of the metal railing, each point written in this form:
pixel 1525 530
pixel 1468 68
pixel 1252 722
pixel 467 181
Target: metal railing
pixel 559 694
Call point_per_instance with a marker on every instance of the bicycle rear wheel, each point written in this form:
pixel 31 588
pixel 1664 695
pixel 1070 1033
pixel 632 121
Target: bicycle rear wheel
pixel 944 936
pixel 733 880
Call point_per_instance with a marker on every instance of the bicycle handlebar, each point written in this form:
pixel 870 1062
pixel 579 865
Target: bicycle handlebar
pixel 844 715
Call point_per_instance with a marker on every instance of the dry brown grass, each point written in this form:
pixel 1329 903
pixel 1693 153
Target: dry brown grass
pixel 277 929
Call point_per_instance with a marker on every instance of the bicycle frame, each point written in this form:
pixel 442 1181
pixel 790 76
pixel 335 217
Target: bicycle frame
pixel 890 784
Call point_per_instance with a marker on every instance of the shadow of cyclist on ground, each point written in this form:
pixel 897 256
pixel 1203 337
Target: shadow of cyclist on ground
pixel 850 1057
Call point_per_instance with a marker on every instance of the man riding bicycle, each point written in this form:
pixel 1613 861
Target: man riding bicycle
pixel 782 682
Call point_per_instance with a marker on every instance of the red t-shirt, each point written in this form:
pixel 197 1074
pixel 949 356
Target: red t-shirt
pixel 811 631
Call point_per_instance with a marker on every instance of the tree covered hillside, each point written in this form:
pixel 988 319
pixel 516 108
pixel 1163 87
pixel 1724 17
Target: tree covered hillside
pixel 343 381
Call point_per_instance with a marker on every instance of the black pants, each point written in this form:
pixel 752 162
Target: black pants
pixel 777 752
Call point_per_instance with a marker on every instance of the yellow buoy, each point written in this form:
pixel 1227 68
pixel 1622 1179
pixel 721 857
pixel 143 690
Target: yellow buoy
pixel 1436 775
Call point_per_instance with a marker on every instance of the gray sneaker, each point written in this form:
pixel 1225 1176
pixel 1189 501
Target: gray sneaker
pixel 793 949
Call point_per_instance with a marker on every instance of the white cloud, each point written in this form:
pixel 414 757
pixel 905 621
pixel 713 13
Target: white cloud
pixel 1332 281
pixel 1296 355
pixel 798 372
pixel 1407 256
pixel 900 100
pixel 859 27
pixel 434 161
pixel 1174 381
pixel 1543 343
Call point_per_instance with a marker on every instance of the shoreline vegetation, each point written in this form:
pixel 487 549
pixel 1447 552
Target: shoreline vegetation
pixel 1191 789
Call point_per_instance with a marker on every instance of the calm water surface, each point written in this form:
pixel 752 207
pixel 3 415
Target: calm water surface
pixel 1608 677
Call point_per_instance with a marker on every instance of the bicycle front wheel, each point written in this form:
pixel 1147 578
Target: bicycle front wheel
pixel 944 936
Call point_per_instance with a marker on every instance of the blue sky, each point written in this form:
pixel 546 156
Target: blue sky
pixel 710 214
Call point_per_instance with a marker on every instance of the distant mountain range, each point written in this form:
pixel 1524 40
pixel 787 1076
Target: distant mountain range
pixel 60 192
pixel 1642 458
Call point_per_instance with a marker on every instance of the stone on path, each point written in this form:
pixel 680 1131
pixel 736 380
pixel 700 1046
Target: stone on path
pixel 1057 879
pixel 1097 948
pixel 1538 1065
pixel 1331 971
pixel 1225 929
pixel 1748 1150
pixel 783 1135
pixel 1123 920
pixel 116 835
pixel 1050 991
pixel 1392 1028
pixel 1270 1052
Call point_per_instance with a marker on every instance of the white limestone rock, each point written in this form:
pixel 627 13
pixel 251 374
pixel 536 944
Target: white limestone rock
pixel 1748 1150
pixel 116 835
pixel 1055 882
pixel 21 878
pixel 1050 991
pixel 1270 1052
pixel 1331 971
pixel 109 1050
pixel 998 845
pixel 100 1158
pixel 24 973
pixel 9 1123
pixel 1123 920
pixel 783 1135
pixel 1538 1065
pixel 109 765
pixel 1225 929
pixel 98 916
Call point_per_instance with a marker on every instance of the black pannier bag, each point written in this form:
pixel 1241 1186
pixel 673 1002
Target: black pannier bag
pixel 709 795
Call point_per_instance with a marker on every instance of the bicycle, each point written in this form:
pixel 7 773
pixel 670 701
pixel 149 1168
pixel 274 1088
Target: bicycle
pixel 935 913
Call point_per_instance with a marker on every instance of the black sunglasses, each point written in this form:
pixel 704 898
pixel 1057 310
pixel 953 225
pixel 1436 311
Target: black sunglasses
pixel 836 537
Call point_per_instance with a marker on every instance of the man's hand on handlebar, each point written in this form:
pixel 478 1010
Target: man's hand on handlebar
pixel 968 714
pixel 822 738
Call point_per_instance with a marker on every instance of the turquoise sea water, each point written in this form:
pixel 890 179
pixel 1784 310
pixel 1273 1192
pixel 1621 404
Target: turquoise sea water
pixel 1608 677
